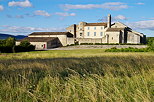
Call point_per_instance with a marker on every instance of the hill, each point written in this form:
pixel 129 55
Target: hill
pixel 5 36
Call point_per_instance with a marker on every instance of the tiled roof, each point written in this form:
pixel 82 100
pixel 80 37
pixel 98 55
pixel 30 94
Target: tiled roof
pixel 38 39
pixel 51 33
pixel 114 29
pixel 96 24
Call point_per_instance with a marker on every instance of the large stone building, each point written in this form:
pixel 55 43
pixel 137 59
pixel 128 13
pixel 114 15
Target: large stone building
pixel 105 33
pixel 86 33
pixel 47 40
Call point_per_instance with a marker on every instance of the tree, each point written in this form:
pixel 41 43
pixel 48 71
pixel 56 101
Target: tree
pixel 25 44
pixel 10 42
pixel 151 42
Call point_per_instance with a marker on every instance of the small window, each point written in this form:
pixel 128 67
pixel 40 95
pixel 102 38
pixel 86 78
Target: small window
pixel 88 33
pixel 101 33
pixel 112 38
pixel 101 28
pixel 94 33
pixel 88 28
pixel 94 28
pixel 80 34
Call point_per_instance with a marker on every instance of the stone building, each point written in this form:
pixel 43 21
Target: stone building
pixel 86 33
pixel 47 40
pixel 105 33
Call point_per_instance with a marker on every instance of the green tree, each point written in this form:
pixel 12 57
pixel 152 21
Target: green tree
pixel 2 42
pixel 25 44
pixel 10 42
pixel 150 42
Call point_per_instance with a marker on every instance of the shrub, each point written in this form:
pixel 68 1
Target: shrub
pixel 150 43
pixel 24 47
pixel 5 49
pixel 7 45
pixel 130 49
pixel 24 43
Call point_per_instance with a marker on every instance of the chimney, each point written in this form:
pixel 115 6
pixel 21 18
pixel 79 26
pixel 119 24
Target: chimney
pixel 109 21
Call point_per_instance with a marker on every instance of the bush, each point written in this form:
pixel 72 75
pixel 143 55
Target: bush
pixel 7 45
pixel 130 49
pixel 24 47
pixel 5 49
pixel 150 43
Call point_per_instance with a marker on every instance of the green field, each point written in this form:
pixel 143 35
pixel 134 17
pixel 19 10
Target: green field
pixel 88 75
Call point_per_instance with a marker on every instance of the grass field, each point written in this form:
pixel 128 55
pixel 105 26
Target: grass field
pixel 89 75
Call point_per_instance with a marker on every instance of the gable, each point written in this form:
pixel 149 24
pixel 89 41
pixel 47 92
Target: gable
pixel 118 25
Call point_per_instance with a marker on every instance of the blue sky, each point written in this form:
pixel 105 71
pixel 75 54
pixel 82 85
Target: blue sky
pixel 26 16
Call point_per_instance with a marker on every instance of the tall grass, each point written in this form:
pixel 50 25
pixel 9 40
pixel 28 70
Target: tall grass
pixel 108 78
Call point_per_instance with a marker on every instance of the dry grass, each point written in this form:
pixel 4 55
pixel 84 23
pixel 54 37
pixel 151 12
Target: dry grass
pixel 77 76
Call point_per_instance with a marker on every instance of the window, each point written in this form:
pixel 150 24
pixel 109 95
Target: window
pixel 88 33
pixel 94 33
pixel 101 28
pixel 112 38
pixel 101 33
pixel 94 28
pixel 80 34
pixel 88 28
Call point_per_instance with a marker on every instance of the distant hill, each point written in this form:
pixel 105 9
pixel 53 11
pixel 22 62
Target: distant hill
pixel 5 36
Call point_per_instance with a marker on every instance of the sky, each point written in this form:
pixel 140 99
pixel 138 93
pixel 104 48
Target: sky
pixel 22 17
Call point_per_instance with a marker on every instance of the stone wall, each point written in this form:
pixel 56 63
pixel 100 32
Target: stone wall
pixel 91 31
pixel 90 40
pixel 133 38
pixel 70 41
pixel 62 38
pixel 107 46
pixel 113 37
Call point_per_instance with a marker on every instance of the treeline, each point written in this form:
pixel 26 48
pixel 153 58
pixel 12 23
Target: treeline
pixel 8 46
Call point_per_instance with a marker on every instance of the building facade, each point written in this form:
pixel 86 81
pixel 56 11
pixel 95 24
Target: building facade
pixel 86 33
pixel 48 40
pixel 105 33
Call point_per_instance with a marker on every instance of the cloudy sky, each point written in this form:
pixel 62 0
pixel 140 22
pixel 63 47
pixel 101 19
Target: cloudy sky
pixel 26 16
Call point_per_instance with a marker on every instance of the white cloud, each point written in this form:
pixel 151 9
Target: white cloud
pixel 120 17
pixel 108 5
pixel 140 3
pixel 147 25
pixel 25 3
pixel 1 8
pixel 27 30
pixel 65 14
pixel 42 13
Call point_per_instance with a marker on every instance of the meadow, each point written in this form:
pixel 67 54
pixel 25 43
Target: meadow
pixel 87 75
